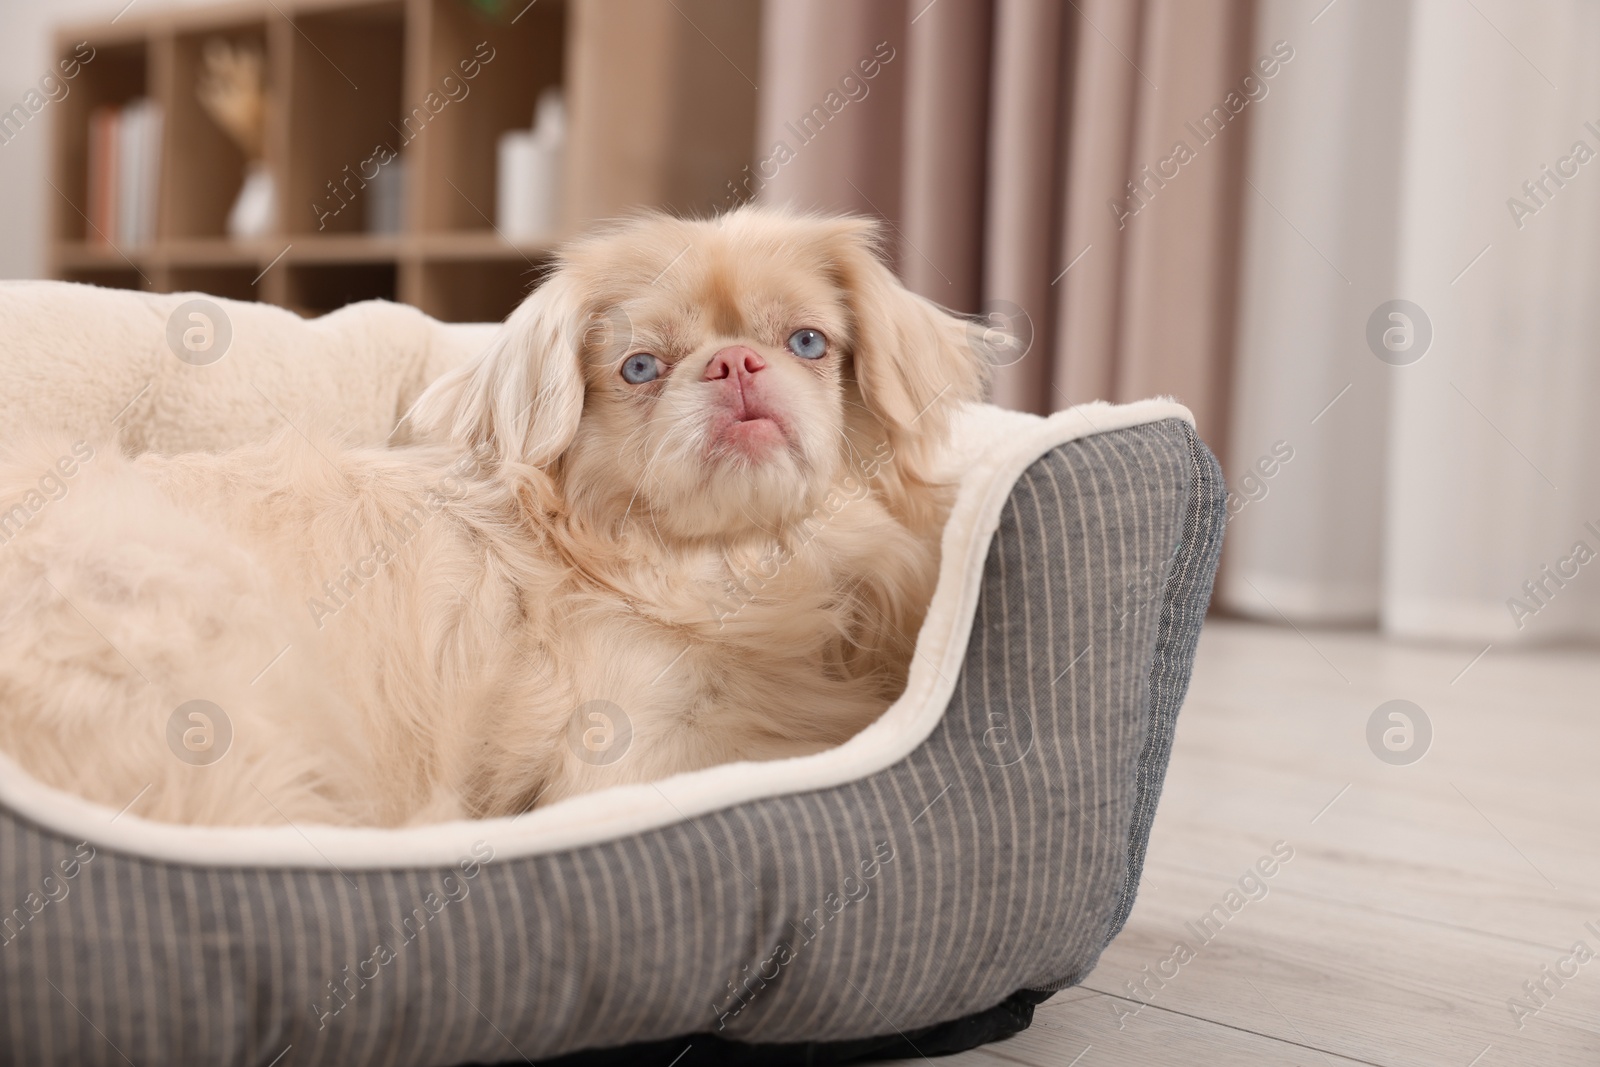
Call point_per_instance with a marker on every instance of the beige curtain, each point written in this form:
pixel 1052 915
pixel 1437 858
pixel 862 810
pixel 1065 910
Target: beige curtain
pixel 1000 141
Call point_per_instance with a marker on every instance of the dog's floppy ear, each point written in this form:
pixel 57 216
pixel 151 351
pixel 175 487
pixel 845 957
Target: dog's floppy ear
pixel 520 398
pixel 914 361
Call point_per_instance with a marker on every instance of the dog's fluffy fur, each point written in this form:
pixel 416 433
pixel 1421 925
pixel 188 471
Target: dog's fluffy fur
pixel 724 563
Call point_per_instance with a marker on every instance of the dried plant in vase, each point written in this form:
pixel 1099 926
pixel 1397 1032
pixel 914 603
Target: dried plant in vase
pixel 232 89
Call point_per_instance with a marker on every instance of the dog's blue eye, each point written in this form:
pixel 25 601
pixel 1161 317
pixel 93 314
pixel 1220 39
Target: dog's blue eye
pixel 641 367
pixel 808 344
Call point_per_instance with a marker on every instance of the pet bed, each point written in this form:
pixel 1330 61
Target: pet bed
pixel 916 890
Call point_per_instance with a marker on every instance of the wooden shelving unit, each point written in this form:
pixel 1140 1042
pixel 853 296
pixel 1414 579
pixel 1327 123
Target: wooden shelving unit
pixel 342 77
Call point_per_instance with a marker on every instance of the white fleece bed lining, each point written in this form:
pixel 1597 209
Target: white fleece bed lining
pixel 1005 444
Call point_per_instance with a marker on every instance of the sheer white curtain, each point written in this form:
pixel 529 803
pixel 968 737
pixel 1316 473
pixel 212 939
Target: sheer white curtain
pixel 1453 495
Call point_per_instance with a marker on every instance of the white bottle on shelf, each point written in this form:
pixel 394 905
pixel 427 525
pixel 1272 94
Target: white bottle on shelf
pixel 528 173
pixel 255 209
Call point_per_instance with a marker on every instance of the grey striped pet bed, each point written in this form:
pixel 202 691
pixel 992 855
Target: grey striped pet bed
pixel 915 890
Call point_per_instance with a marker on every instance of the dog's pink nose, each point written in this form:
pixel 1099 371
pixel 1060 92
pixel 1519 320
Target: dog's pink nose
pixel 733 360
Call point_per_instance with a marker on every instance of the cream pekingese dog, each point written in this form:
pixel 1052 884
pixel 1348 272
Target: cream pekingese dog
pixel 681 513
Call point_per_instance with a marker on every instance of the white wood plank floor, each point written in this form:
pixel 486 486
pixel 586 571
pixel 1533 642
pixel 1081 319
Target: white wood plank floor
pixel 1419 900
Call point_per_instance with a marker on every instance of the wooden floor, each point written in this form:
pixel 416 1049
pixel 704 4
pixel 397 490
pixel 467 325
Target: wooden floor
pixel 1419 899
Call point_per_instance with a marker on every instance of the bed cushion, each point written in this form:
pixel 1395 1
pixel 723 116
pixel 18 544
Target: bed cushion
pixel 972 851
pixel 105 364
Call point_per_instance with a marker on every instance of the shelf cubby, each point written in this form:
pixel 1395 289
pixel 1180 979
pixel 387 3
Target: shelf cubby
pixel 525 57
pixel 346 81
pixel 317 288
pixel 473 290
pixel 235 283
pixel 195 200
pixel 117 72
pixel 108 276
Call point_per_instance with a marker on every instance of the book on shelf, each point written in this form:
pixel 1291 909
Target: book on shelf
pixel 124 172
